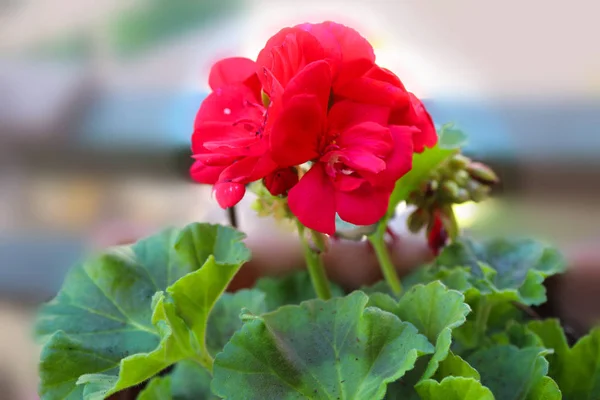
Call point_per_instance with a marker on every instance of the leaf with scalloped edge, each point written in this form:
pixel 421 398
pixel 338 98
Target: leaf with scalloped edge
pixel 453 388
pixel 512 373
pixel 576 370
pixel 107 330
pixel 318 350
pixel 514 267
pixel 435 311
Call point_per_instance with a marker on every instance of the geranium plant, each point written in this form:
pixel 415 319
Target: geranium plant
pixel 332 142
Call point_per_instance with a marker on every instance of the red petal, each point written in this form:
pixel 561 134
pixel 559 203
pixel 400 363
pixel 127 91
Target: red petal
pixel 364 206
pixel 372 91
pixel 312 201
pixel 213 159
pixel 280 181
pixel 399 162
pixel 352 54
pixel 347 113
pixel 228 194
pixel 205 174
pixel 296 131
pixel 230 104
pixel 314 79
pixel 385 75
pixel 426 136
pixel 248 169
pixel 361 160
pixel 285 54
pixel 368 136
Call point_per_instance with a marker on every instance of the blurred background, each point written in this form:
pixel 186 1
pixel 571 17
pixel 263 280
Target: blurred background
pixel 97 101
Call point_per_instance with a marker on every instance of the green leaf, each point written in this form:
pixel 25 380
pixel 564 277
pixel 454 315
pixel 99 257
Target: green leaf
pixel 158 388
pixel 454 365
pixel 451 137
pixel 224 319
pixel 576 370
pixel 188 381
pixel 318 350
pixel 290 289
pixel 511 373
pixel 107 330
pixel 545 389
pixel 434 310
pixel 518 335
pixel 453 388
pixel 423 164
pixel 515 268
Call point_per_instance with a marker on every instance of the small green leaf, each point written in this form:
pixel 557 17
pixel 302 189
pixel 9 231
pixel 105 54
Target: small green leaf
pixel 453 388
pixel 576 370
pixel 423 164
pixel 291 289
pixel 318 350
pixel 158 388
pixel 511 373
pixel 518 335
pixel 515 268
pixel 107 330
pixel 435 310
pixel 451 137
pixel 224 319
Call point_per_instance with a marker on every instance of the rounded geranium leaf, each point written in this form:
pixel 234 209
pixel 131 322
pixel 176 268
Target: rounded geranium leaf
pixel 454 388
pixel 512 373
pixel 510 267
pixel 318 350
pixel 111 326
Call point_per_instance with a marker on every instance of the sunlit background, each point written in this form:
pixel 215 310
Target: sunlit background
pixel 97 100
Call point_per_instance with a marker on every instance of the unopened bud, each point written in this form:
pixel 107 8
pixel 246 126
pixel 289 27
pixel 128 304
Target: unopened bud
pixel 482 173
pixel 478 191
pixel 417 220
pixel 458 161
pixel 461 177
pixel 462 196
pixel 450 190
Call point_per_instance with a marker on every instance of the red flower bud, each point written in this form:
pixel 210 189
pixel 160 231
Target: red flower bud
pixel 280 181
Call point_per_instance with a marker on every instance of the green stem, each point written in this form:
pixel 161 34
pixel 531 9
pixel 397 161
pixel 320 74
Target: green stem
pixel 484 307
pixel 315 266
pixel 377 239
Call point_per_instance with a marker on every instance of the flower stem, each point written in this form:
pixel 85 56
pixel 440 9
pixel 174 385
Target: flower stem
pixel 315 266
pixel 377 239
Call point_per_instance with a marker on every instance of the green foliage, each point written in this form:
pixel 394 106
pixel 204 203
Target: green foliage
pixel 508 269
pixel 576 370
pixel 454 388
pixel 290 289
pixel 512 373
pixel 318 350
pixel 155 314
pixel 127 314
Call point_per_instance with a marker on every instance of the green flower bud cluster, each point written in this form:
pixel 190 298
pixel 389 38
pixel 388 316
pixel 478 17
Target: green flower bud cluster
pixel 457 180
pixel 268 205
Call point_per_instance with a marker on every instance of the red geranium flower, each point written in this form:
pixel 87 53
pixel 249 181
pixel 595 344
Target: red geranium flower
pixel 229 143
pixel 356 158
pixel 349 55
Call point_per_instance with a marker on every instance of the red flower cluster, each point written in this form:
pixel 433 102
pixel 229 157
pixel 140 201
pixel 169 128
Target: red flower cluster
pixel 314 117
